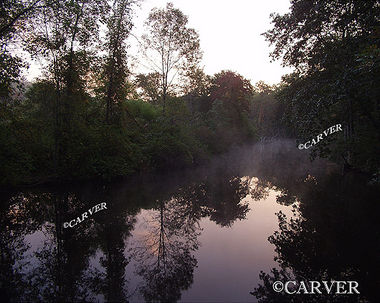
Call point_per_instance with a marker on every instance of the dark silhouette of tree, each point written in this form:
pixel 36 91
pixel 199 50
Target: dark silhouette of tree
pixel 223 199
pixel 113 231
pixel 196 84
pixel 170 46
pixel 333 46
pixel 150 84
pixel 328 240
pixel 230 95
pixel 231 87
pixel 119 25
pixel 14 17
pixel 12 13
pixel 165 254
pixel 63 33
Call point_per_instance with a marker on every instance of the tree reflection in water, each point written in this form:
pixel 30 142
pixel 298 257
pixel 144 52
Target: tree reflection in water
pixel 42 261
pixel 56 268
pixel 336 236
pixel 165 254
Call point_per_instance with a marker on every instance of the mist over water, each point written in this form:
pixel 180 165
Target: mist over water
pixel 202 234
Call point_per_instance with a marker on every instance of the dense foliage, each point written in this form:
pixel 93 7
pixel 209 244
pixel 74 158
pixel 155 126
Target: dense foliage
pixel 334 48
pixel 86 118
pixel 90 115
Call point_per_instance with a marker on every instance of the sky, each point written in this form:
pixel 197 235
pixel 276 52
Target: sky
pixel 230 34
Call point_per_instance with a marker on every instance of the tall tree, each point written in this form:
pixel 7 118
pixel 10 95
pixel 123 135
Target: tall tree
pixel 115 70
pixel 63 34
pixel 170 45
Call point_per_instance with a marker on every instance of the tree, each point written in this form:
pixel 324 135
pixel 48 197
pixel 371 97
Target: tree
pixel 115 69
pixel 334 48
pixel 197 83
pixel 63 33
pixel 305 38
pixel 263 88
pixel 12 12
pixel 10 68
pixel 14 15
pixel 150 84
pixel 231 86
pixel 234 91
pixel 170 45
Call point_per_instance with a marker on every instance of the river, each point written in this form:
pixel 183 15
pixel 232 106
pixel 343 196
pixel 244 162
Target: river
pixel 223 232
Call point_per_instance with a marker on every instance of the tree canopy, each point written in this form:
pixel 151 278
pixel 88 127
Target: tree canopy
pixel 334 48
pixel 170 45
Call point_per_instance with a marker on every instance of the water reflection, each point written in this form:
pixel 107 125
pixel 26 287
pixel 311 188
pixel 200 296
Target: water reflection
pixel 89 262
pixel 146 245
pixel 164 252
pixel 335 236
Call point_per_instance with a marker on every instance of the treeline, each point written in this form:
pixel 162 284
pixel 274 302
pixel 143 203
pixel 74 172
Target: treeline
pixel 141 137
pixel 90 115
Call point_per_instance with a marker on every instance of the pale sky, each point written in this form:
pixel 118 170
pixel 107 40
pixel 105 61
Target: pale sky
pixel 230 34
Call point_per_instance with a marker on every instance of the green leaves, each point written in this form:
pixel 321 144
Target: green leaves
pixel 303 37
pixel 333 47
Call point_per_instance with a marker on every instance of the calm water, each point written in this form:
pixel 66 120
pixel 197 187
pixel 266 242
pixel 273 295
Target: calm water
pixel 222 232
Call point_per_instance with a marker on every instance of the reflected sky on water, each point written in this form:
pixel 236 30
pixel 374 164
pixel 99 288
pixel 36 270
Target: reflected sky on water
pixel 221 232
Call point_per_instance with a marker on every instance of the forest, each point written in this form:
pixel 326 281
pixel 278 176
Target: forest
pixel 91 115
